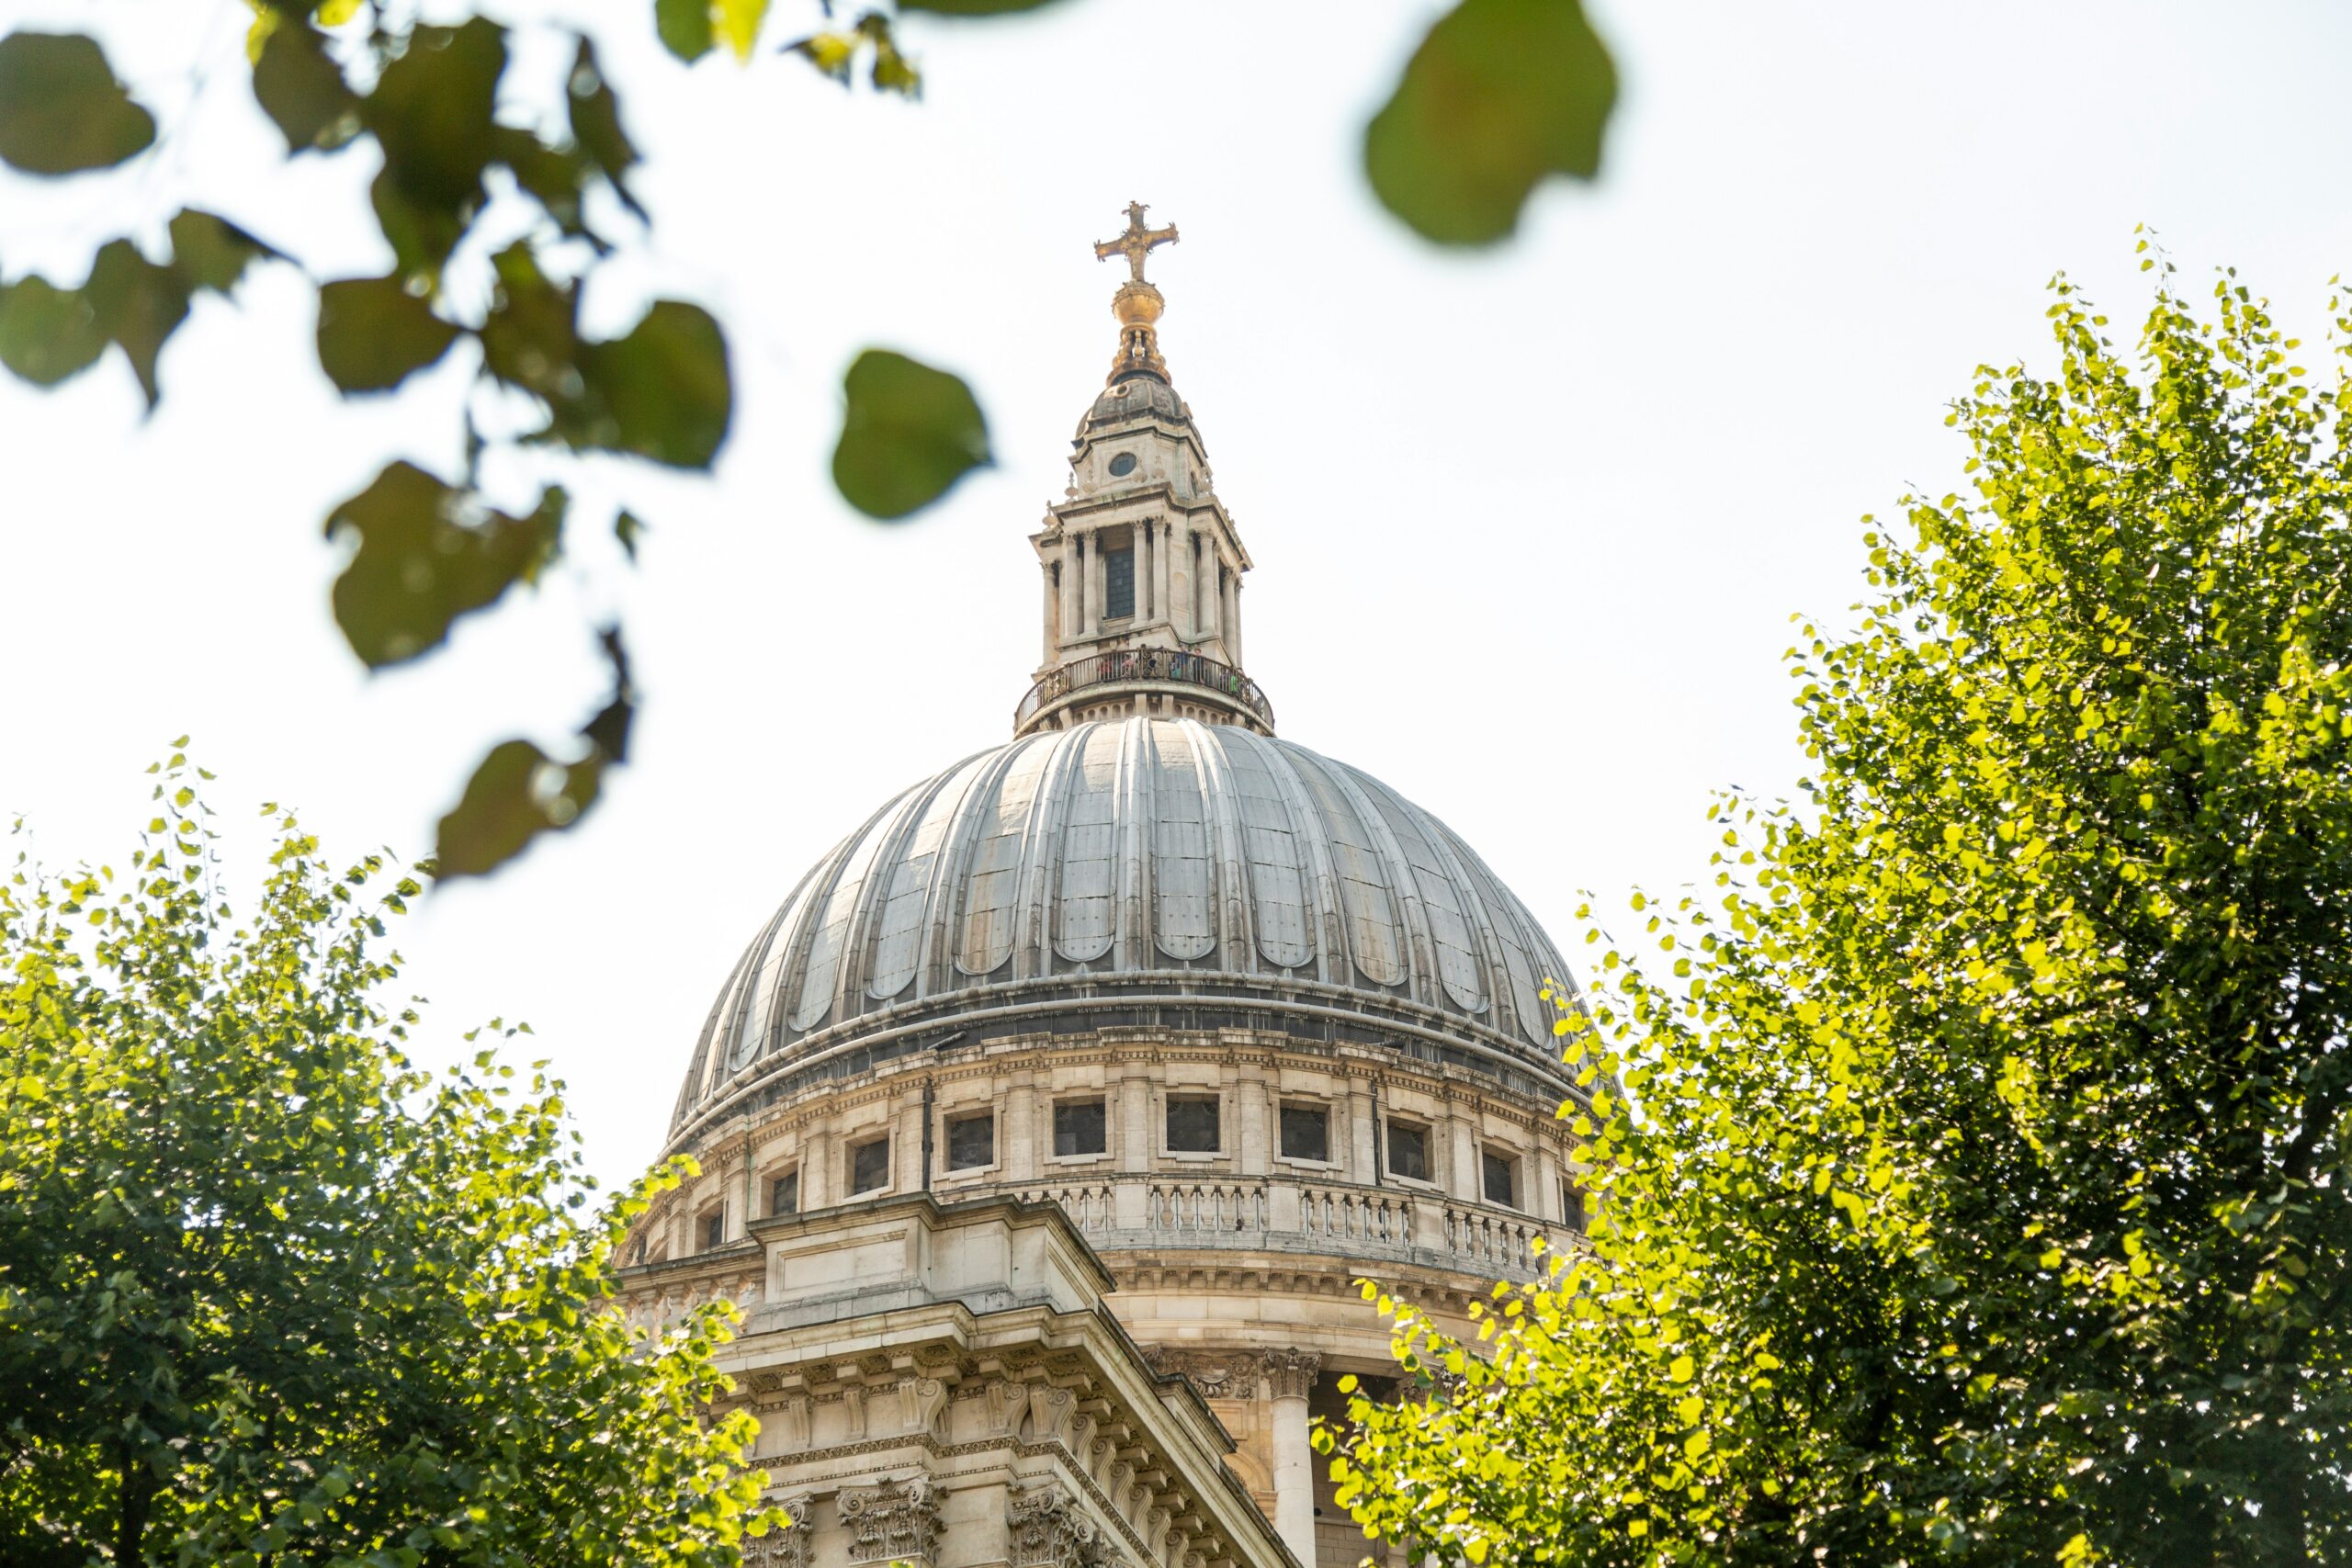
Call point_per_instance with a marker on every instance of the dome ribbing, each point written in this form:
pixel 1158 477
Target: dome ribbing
pixel 1147 857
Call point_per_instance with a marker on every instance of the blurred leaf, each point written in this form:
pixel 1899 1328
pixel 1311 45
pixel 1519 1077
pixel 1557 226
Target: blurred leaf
pixel 627 527
pixel 46 332
pixel 303 91
pixel 373 334
pixel 664 391
pixel 685 27
pixel 908 433
pixel 529 340
pixel 834 54
pixel 431 111
pixel 553 176
pixel 1501 93
pixel 138 304
pixel 61 112
pixel 739 24
pixel 666 386
pixel 212 252
pixel 428 554
pixel 519 792
pixel 595 114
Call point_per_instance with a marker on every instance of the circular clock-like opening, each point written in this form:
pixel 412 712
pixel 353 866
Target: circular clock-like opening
pixel 1123 464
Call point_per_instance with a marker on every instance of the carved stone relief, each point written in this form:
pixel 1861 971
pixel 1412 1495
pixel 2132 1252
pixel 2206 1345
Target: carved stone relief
pixel 1048 1530
pixel 788 1547
pixel 896 1521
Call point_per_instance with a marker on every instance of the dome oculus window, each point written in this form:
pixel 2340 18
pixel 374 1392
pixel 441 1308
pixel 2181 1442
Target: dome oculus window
pixel 1122 464
pixel 1307 1133
pixel 869 1166
pixel 1080 1128
pixel 971 1142
pixel 1192 1126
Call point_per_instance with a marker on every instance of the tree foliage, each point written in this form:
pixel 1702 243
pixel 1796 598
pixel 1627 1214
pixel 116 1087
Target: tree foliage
pixel 1983 1194
pixel 271 1295
pixel 1503 93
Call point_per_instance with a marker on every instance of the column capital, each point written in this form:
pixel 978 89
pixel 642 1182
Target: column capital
pixel 1291 1373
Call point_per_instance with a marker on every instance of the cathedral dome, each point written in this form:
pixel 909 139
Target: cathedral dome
pixel 1142 869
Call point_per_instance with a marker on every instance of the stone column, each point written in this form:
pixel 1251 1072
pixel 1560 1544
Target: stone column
pixel 1358 1138
pixel 1212 591
pixel 1086 599
pixel 1018 1153
pixel 1053 610
pixel 1233 617
pixel 1164 575
pixel 1144 599
pixel 1066 624
pixel 1290 1376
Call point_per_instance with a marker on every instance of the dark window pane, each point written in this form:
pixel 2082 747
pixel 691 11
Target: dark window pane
pixel 869 1166
pixel 1307 1133
pixel 1192 1126
pixel 1408 1151
pixel 971 1141
pixel 783 1198
pixel 1572 1207
pixel 1079 1128
pixel 714 1229
pixel 1118 584
pixel 1497 1170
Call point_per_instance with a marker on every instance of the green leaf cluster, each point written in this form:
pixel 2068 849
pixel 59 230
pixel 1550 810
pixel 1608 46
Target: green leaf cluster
pixel 1499 94
pixel 1986 1196
pixel 269 1294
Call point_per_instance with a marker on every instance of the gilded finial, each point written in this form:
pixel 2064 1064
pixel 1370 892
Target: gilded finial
pixel 1136 304
pixel 1137 243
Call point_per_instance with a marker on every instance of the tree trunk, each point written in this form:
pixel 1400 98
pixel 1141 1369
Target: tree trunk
pixel 138 1499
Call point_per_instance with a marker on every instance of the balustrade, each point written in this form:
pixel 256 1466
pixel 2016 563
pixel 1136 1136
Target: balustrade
pixel 1207 1205
pixel 1349 1214
pixel 1332 1217
pixel 1494 1240
pixel 1087 1204
pixel 1145 664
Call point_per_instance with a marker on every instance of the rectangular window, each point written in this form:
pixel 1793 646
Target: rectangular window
pixel 869 1166
pixel 1079 1128
pixel 1498 1173
pixel 713 1230
pixel 1572 1207
pixel 1307 1133
pixel 1408 1151
pixel 971 1142
pixel 784 1194
pixel 1118 584
pixel 1192 1126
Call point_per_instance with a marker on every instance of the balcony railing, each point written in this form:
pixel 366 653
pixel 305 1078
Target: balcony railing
pixel 1145 664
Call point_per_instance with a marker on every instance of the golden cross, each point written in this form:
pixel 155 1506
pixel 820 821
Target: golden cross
pixel 1138 242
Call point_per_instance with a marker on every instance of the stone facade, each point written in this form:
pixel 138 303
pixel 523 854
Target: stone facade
pixel 942 1385
pixel 1047 1129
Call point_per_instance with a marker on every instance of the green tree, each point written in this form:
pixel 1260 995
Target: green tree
pixel 269 1294
pixel 1982 1196
pixel 1500 95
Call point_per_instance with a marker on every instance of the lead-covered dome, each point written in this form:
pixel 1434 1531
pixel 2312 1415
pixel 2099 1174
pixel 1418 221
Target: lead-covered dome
pixel 1146 862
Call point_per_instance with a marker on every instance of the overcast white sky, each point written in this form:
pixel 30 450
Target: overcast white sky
pixel 1529 525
